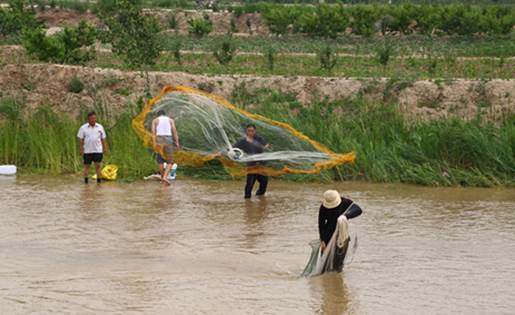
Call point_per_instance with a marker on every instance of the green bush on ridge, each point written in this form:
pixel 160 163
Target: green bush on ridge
pixel 17 18
pixel 365 20
pixel 67 47
pixel 200 26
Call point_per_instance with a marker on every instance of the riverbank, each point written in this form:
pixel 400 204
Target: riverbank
pixel 69 88
pixel 442 152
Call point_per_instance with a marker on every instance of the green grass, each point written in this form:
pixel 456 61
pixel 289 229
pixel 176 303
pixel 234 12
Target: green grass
pixel 461 46
pixel 389 149
pixel 347 66
pixel 444 152
pixel 45 141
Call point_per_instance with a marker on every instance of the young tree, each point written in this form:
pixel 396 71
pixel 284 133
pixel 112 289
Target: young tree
pixel 328 58
pixel 384 52
pixel 224 52
pixel 66 47
pixel 132 35
pixel 17 18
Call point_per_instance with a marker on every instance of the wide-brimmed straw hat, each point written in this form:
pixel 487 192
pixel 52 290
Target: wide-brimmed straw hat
pixel 332 199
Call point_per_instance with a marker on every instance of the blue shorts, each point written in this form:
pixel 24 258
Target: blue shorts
pixel 166 152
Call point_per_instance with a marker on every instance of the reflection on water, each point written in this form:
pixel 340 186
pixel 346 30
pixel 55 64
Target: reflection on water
pixel 255 211
pixel 331 291
pixel 198 247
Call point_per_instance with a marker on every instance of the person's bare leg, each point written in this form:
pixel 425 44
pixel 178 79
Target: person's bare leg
pixel 167 171
pixel 97 169
pixel 161 169
pixel 86 173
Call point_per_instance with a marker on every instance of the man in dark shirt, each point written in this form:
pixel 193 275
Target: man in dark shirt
pixel 333 206
pixel 253 144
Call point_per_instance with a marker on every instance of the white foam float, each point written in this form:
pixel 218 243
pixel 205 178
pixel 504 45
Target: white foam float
pixel 7 169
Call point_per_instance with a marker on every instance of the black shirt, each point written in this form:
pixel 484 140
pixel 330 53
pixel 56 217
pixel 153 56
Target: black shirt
pixel 328 218
pixel 255 147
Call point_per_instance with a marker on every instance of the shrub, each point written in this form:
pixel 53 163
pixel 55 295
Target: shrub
pixel 326 21
pixel 233 27
pixel 328 58
pixel 75 85
pixel 172 22
pixel 176 51
pixel 270 57
pixel 278 19
pixel 224 52
pixel 363 19
pixel 17 18
pixel 67 46
pixel 200 27
pixel 237 11
pixel 132 35
pixel 383 53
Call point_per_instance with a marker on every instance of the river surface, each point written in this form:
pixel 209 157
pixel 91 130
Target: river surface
pixel 197 247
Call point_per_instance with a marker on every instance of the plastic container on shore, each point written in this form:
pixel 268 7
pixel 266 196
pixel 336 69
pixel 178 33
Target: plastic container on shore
pixel 7 169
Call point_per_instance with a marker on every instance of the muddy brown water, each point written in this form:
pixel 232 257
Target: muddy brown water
pixel 198 248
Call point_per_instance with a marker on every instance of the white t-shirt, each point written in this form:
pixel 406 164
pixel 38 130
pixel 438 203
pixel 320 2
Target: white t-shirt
pixel 93 136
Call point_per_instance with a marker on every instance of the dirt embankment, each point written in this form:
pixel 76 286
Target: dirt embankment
pixel 249 24
pixel 41 84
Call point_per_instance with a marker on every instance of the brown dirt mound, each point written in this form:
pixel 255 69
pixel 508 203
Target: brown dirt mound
pixel 62 17
pixel 42 84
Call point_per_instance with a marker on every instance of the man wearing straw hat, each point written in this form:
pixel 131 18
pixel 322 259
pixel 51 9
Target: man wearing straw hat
pixel 331 209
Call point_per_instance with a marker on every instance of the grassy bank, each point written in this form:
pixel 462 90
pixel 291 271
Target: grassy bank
pixel 446 152
pixel 345 66
pixel 45 141
pixel 459 46
pixel 389 149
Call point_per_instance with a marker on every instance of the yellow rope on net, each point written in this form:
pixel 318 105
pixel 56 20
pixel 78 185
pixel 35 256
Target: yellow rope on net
pixel 234 168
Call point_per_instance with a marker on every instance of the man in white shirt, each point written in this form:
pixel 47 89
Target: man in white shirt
pixel 92 144
pixel 163 133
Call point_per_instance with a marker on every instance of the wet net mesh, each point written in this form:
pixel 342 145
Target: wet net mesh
pixel 208 124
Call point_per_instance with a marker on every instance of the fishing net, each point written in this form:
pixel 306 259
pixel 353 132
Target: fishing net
pixel 339 251
pixel 208 124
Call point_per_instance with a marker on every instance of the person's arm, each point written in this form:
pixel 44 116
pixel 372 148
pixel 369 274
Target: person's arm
pixel 103 140
pixel 321 228
pixel 81 150
pixel 175 134
pixel 80 135
pixel 154 123
pixel 263 142
pixel 353 211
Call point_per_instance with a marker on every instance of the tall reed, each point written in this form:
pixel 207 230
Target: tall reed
pixel 389 148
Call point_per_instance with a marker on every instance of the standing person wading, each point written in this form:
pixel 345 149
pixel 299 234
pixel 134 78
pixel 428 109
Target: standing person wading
pixel 253 144
pixel 163 132
pixel 92 145
pixel 333 206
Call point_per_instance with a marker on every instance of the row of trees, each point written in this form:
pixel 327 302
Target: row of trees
pixel 329 20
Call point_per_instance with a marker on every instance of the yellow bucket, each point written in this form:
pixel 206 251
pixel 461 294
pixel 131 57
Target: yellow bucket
pixel 109 172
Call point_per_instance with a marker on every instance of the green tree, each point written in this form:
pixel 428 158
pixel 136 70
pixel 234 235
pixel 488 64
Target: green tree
pixel 224 52
pixel 383 53
pixel 328 58
pixel 66 47
pixel 17 18
pixel 270 55
pixel 200 27
pixel 132 35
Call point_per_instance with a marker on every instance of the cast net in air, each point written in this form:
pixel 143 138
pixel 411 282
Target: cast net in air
pixel 208 124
